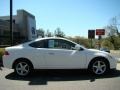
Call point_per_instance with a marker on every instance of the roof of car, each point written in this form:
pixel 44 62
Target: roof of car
pixel 50 38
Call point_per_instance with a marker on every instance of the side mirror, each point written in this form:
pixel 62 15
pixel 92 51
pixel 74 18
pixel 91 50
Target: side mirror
pixel 81 49
pixel 77 47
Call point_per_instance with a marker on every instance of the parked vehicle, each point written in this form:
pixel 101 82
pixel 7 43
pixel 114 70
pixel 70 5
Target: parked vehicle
pixel 105 49
pixel 56 53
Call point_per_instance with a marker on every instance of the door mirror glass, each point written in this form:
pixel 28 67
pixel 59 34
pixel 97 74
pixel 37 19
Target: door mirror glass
pixel 77 47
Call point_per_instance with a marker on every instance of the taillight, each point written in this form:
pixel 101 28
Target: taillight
pixel 6 53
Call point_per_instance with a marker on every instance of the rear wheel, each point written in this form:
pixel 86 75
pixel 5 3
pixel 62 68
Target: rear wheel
pixel 23 68
pixel 99 67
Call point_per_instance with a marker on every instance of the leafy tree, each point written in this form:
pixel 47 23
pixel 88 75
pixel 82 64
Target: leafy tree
pixel 59 33
pixel 80 40
pixel 107 44
pixel 115 40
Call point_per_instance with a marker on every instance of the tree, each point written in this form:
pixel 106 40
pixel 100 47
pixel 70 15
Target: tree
pixel 111 30
pixel 48 34
pixel 113 33
pixel 107 44
pixel 115 40
pixel 59 33
pixel 40 33
pixel 80 40
pixel 115 22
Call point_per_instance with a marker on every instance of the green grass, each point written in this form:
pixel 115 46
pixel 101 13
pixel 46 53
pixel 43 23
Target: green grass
pixel 1 52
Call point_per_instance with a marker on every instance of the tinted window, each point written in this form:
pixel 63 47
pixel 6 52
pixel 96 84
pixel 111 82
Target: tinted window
pixel 60 44
pixel 39 44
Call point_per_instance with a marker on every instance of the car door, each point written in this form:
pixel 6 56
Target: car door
pixel 61 55
pixel 38 54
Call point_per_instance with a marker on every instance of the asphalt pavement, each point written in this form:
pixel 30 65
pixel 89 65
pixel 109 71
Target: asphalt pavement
pixel 60 80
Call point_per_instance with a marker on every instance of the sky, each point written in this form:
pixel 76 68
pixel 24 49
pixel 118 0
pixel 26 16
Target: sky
pixel 74 17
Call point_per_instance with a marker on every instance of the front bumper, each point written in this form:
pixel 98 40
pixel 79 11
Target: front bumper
pixel 113 63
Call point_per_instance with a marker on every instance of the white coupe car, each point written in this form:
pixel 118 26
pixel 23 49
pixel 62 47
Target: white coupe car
pixel 56 53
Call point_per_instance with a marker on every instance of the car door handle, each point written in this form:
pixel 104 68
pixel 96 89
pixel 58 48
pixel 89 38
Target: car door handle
pixel 51 53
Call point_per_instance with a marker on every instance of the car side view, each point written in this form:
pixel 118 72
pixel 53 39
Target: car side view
pixel 56 53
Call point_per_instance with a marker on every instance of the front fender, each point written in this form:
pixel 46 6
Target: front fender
pixel 91 56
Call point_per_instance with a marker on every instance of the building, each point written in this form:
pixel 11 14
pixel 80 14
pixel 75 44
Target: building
pixel 24 28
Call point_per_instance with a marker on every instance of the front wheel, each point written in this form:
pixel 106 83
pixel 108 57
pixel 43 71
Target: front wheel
pixel 22 68
pixel 99 67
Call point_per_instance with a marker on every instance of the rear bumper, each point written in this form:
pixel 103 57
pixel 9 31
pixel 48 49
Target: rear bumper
pixel 7 61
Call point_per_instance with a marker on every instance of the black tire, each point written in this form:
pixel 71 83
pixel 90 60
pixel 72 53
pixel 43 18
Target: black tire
pixel 23 68
pixel 94 68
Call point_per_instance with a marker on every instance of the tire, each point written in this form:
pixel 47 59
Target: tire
pixel 23 68
pixel 99 66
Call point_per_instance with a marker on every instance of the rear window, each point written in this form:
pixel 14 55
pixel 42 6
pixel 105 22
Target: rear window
pixel 39 44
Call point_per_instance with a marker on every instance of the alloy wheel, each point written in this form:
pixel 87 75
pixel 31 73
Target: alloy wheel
pixel 22 68
pixel 99 67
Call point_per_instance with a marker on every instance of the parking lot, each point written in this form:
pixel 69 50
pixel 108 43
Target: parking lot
pixel 60 80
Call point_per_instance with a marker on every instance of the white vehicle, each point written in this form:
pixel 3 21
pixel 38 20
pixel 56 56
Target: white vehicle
pixel 56 53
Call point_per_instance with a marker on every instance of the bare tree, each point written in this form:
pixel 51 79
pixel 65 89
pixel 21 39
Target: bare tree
pixel 115 23
pixel 48 34
pixel 111 30
pixel 40 32
pixel 59 33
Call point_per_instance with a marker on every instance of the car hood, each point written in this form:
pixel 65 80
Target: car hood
pixel 94 50
pixel 97 51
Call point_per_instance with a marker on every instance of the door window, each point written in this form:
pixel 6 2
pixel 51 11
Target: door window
pixel 60 44
pixel 51 44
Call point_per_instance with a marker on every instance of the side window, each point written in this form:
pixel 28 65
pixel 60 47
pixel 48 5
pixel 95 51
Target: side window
pixel 67 45
pixel 51 43
pixel 39 44
pixel 60 44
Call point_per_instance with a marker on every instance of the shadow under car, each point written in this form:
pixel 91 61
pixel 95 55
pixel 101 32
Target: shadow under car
pixel 41 77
